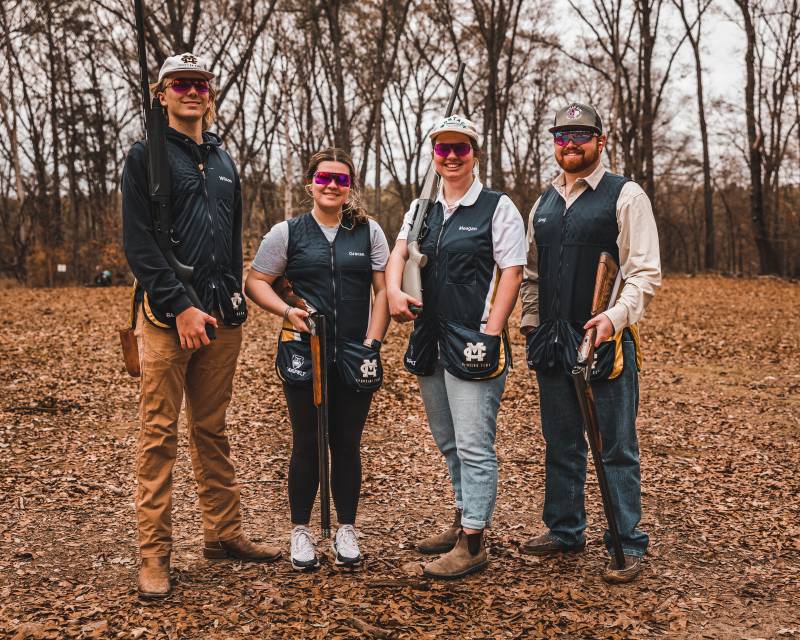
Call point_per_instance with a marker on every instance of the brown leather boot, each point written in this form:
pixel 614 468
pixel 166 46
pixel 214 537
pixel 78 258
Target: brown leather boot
pixel 459 562
pixel 442 542
pixel 632 568
pixel 240 548
pixel 547 545
pixel 154 578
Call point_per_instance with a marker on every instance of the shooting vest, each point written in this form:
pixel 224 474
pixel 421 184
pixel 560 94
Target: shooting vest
pixel 335 279
pixel 569 243
pixel 459 283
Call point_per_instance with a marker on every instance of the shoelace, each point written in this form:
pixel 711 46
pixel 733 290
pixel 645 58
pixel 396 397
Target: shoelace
pixel 348 535
pixel 299 535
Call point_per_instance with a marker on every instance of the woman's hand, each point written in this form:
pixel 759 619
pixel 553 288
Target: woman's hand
pixel 399 302
pixel 298 317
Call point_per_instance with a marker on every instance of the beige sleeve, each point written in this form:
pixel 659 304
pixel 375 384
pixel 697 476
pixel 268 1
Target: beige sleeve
pixel 640 260
pixel 529 291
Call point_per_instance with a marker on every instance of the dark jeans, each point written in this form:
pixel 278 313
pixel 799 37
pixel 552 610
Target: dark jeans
pixel 617 403
pixel 347 413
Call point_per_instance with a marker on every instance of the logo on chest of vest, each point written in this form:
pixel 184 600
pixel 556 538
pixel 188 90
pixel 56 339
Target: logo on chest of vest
pixel 475 351
pixel 370 368
pixel 356 253
pixel 226 179
pixel 463 228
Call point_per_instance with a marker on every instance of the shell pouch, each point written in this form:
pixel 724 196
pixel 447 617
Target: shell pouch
pixel 293 361
pixel 472 355
pixel 359 366
pixel 422 352
pixel 555 344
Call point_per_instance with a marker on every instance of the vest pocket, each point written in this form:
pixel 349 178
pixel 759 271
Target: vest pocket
pixel 359 366
pixel 355 284
pixel 293 361
pixel 472 355
pixel 462 267
pixel 422 352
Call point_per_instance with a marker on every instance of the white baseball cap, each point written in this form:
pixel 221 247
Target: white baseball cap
pixel 456 124
pixel 184 62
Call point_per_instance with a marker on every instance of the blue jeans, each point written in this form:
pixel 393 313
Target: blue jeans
pixel 617 403
pixel 462 415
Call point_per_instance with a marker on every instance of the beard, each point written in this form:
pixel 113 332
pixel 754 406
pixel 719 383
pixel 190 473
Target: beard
pixel 578 158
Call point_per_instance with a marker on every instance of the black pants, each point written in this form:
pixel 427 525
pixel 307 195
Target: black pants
pixel 347 413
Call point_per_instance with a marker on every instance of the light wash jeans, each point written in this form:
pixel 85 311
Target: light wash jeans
pixel 462 415
pixel 617 402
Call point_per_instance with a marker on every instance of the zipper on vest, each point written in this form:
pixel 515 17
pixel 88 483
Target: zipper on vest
pixel 557 297
pixel 201 169
pixel 333 284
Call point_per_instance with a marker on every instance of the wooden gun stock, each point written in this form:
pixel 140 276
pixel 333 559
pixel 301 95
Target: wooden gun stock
pixel 605 283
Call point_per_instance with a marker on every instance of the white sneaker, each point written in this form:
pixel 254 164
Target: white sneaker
pixel 304 551
pixel 345 546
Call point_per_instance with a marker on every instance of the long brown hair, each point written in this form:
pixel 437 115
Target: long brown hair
pixel 209 117
pixel 353 208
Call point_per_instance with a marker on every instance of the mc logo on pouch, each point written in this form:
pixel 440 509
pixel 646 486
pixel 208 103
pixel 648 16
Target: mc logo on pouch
pixel 475 351
pixel 370 368
pixel 297 361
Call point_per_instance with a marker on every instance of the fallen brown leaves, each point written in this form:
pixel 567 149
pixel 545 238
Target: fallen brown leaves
pixel 718 430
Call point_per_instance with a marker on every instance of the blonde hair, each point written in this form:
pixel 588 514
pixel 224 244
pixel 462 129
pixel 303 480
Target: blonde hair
pixel 353 208
pixel 209 117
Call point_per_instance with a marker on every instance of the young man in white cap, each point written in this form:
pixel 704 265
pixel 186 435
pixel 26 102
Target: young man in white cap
pixel 474 240
pixel 588 210
pixel 177 357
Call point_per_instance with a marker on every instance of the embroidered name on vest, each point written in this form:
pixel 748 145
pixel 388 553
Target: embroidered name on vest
pixel 462 228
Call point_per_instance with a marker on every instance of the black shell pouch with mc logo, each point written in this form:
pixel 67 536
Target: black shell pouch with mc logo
pixel 359 366
pixel 472 355
pixel 293 362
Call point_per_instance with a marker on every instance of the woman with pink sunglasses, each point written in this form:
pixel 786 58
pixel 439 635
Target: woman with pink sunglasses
pixel 334 258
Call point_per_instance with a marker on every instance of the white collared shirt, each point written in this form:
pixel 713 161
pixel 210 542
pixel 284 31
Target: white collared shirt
pixel 637 240
pixel 508 229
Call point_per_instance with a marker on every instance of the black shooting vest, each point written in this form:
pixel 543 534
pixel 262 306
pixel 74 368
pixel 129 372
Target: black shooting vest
pixel 458 285
pixel 334 279
pixel 569 243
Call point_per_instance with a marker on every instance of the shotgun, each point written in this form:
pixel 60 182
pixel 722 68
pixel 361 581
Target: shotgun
pixel 606 286
pixel 317 324
pixel 412 271
pixel 158 177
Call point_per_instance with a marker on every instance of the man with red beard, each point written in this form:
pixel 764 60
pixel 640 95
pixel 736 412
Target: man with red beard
pixel 585 211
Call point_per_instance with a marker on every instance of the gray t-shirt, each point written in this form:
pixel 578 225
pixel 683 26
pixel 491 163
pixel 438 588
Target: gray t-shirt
pixel 272 256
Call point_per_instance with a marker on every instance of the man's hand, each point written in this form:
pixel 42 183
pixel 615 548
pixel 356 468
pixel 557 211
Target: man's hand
pixel 191 324
pixel 605 328
pixel 398 305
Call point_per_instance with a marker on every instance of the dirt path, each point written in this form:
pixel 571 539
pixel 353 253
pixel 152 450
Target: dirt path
pixel 719 426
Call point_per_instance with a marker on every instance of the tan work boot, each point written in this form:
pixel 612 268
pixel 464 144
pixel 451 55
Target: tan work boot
pixel 154 578
pixel 459 562
pixel 442 542
pixel 240 548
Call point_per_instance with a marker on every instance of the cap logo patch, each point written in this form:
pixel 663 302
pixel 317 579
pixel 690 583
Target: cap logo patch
pixel 574 112
pixel 454 121
pixel 188 59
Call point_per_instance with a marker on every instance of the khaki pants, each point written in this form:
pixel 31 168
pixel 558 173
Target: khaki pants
pixel 205 376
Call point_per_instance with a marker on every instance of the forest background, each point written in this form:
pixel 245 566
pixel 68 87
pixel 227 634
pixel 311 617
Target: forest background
pixel 722 166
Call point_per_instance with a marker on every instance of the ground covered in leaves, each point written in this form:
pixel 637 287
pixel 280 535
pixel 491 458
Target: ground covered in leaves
pixel 718 427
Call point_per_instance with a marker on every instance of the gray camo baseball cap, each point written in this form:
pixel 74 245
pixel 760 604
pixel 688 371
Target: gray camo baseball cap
pixel 577 116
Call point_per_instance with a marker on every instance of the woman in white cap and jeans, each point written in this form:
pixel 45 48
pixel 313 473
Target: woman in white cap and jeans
pixel 475 242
